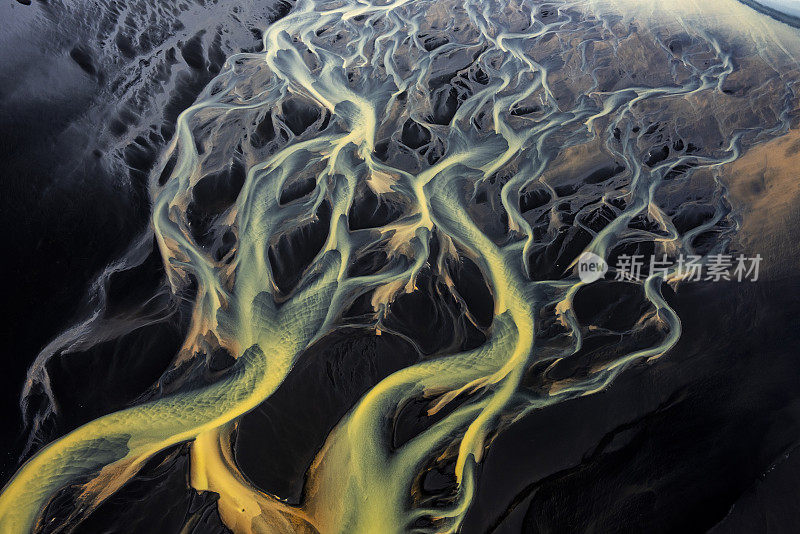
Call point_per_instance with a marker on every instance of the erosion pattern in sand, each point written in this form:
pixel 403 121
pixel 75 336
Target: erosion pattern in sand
pixel 371 148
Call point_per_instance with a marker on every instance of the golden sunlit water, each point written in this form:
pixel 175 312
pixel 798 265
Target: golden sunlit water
pixel 425 105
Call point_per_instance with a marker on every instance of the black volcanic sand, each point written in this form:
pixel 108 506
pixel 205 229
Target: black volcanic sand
pixel 676 446
pixel 87 102
pixel 706 436
pixel 671 446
